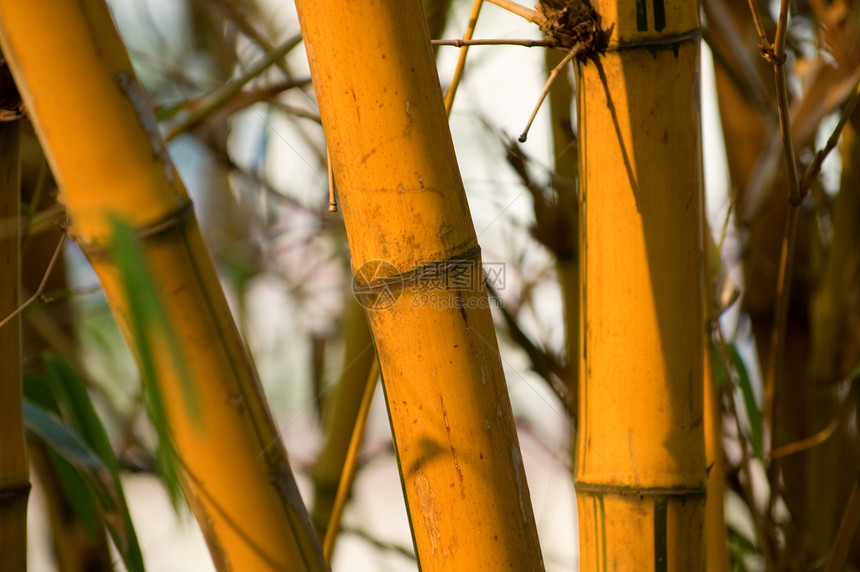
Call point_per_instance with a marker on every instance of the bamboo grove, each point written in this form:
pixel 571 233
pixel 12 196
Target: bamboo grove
pixel 562 331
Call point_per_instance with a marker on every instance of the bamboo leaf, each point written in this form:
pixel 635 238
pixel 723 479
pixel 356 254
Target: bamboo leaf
pixel 150 324
pixel 754 412
pixel 71 398
pixel 38 391
pixel 100 481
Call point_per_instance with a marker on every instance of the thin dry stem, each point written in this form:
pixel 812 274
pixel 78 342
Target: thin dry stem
pixel 42 285
pixel 804 444
pixel 759 28
pixel 813 169
pixel 350 463
pixel 493 42
pixel 773 380
pixel 532 16
pixel 553 74
pixel 461 61
pixel 222 96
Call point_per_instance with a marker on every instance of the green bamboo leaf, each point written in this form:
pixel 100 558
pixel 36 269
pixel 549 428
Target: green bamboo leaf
pixel 100 481
pixel 38 391
pixel 69 445
pixel 150 324
pixel 77 409
pixel 754 413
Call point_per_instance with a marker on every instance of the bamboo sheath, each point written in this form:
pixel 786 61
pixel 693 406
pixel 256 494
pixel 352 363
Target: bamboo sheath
pixel 14 473
pixel 102 141
pixel 410 233
pixel 640 465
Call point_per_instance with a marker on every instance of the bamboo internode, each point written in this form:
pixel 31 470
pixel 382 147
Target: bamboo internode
pixel 103 144
pixel 410 231
pixel 640 465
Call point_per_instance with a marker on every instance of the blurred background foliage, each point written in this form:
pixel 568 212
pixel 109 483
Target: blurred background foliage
pixel 230 84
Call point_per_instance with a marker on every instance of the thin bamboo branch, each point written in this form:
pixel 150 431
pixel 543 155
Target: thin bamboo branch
pixel 461 61
pixel 815 166
pixel 41 288
pixel 493 42
pixel 764 44
pixel 532 16
pixel 553 74
pixel 350 463
pixel 221 96
pixel 804 444
pixel 773 378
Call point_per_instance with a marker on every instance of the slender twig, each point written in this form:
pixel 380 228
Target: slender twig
pixel 494 42
pixel 235 15
pixel 350 462
pixel 374 541
pixel 218 98
pixel 532 16
pixel 785 129
pixel 40 222
pixel 759 28
pixel 552 75
pixel 41 288
pixel 461 61
pixel 773 379
pixel 815 166
pixel 804 444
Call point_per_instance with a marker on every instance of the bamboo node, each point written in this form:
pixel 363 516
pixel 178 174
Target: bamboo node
pixel 166 224
pixel 573 23
pixel 769 54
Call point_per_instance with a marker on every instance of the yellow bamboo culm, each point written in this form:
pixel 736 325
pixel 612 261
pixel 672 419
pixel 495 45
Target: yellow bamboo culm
pixel 416 263
pixel 640 464
pixel 102 141
pixel 14 473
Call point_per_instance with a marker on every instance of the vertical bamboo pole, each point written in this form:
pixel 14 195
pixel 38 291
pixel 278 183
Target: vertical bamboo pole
pixel 14 474
pixel 416 261
pixel 102 141
pixel 640 474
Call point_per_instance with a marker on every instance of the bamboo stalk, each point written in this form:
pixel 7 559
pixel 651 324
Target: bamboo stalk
pixel 640 466
pixel 94 120
pixel 14 473
pixel 416 263
pixel 461 60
